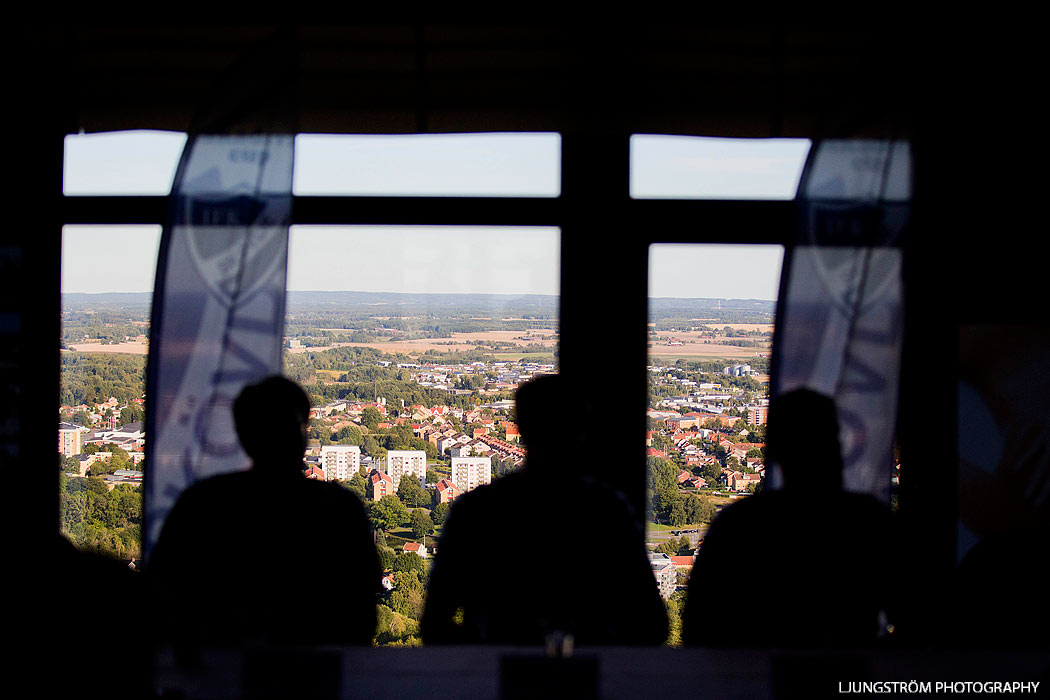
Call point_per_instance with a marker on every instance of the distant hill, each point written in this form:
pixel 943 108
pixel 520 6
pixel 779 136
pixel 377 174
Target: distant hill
pixel 717 310
pixel 397 304
pixel 411 304
pixel 79 299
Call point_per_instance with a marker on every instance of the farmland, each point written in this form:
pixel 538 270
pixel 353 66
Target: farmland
pixel 543 339
pixel 126 348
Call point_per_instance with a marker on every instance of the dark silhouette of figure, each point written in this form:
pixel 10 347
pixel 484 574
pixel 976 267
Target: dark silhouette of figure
pixel 509 567
pixel 806 566
pixel 73 585
pixel 266 556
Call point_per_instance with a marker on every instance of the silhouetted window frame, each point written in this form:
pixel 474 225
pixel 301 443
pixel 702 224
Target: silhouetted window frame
pixel 606 194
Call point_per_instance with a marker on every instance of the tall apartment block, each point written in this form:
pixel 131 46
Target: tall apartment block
pixel 468 473
pixel 68 440
pixel 340 462
pixel 758 415
pixel 404 462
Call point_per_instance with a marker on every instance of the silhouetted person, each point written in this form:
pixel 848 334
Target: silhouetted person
pixel 266 555
pixel 543 551
pixel 807 566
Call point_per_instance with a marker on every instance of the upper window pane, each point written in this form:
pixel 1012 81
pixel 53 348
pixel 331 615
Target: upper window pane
pixel 444 165
pixel 121 162
pixel 694 167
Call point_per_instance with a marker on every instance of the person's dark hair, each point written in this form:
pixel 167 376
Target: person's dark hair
pixel 803 438
pixel 536 403
pixel 269 417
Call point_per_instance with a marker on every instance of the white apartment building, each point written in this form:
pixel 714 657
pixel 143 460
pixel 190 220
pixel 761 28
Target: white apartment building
pixel 340 462
pixel 470 472
pixel 403 462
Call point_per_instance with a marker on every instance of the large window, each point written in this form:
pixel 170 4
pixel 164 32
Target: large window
pixel 410 343
pixel 711 314
pixel 427 279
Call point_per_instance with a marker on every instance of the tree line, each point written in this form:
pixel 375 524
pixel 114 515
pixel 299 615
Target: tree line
pixel 95 377
pixel 98 520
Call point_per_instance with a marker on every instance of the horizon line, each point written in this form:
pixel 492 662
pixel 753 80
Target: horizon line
pixel 505 294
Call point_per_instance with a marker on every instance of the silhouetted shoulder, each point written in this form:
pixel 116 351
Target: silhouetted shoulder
pixel 237 549
pixel 522 533
pixel 819 563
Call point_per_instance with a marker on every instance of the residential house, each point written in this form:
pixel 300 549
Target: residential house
pixel 470 449
pixel 683 563
pixel 740 449
pixel 502 447
pixel 415 548
pixel 445 443
pixel 447 491
pixel 379 485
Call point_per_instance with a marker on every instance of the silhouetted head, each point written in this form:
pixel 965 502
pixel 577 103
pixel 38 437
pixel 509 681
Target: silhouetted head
pixel 538 405
pixel 803 438
pixel 271 417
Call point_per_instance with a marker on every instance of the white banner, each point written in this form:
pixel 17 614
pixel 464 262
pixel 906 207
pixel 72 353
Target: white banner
pixel 840 315
pixel 218 308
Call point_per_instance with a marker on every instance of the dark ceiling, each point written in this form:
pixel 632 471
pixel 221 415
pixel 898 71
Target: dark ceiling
pixel 669 78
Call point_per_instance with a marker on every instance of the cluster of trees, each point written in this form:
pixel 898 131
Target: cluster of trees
pixel 119 459
pixel 362 377
pixel 108 334
pixel 400 609
pixel 683 313
pixel 95 377
pixel 100 320
pixel 675 547
pixel 99 520
pixel 668 504
pixel 675 607
pixel 374 444
pixel 741 343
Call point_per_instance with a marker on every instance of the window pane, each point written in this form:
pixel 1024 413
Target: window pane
pixel 121 162
pixel 694 167
pixel 107 282
pixel 494 165
pixel 711 314
pixel 410 343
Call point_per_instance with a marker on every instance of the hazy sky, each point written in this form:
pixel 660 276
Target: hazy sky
pixel 440 259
